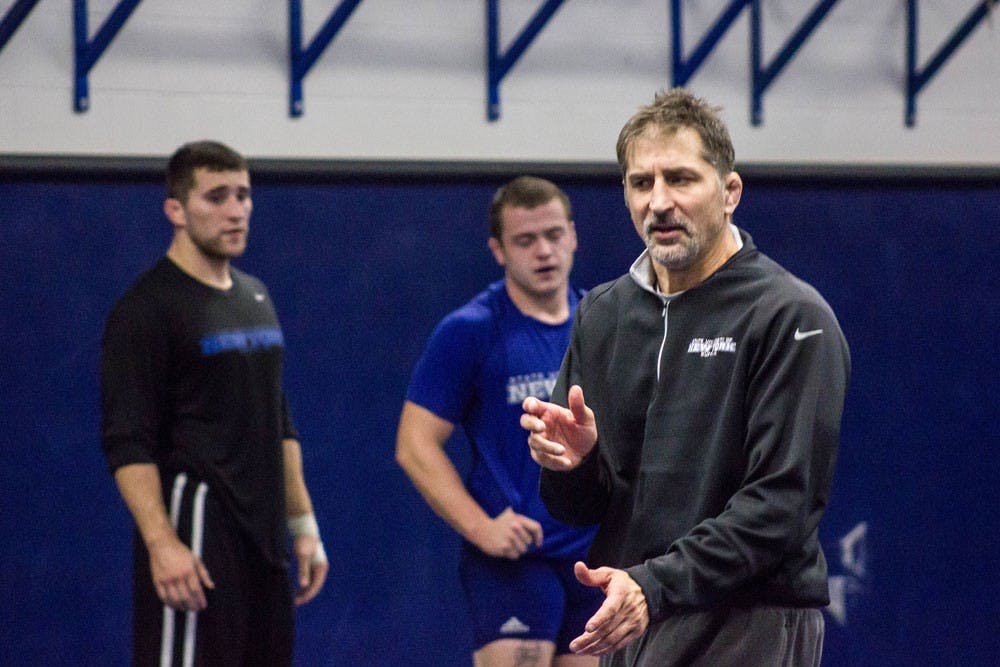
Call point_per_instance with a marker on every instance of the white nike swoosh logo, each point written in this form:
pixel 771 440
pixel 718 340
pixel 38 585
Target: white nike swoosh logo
pixel 799 335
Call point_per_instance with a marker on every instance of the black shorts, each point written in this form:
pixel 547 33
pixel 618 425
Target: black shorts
pixel 249 617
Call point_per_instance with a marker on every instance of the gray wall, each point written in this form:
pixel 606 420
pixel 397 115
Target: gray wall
pixel 406 80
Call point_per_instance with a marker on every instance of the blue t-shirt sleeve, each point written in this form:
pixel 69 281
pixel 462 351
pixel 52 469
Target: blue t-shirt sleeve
pixel 443 380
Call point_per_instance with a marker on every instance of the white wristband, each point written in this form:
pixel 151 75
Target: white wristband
pixel 319 556
pixel 304 524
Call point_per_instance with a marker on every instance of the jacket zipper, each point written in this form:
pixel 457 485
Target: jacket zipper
pixel 663 343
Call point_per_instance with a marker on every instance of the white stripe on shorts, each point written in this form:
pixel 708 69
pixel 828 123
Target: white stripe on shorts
pixel 167 634
pixel 197 536
pixel 197 533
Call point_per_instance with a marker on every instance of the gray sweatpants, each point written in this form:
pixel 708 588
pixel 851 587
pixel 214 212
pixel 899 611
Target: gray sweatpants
pixel 764 636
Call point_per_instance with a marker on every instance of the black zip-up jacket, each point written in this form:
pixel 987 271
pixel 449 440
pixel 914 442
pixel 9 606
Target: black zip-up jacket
pixel 718 416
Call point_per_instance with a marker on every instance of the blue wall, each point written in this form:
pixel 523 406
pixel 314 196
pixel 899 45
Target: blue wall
pixel 361 271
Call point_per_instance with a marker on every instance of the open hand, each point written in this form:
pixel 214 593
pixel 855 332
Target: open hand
pixel 559 437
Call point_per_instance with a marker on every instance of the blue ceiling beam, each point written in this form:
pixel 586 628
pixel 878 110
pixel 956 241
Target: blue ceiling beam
pixel 301 60
pixel 499 64
pixel 917 79
pixel 763 77
pixel 87 52
pixel 683 69
pixel 13 19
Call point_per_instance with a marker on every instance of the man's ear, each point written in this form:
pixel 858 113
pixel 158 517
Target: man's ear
pixel 497 249
pixel 174 211
pixel 734 190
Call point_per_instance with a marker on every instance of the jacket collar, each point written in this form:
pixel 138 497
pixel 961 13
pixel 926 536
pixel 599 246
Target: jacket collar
pixel 641 270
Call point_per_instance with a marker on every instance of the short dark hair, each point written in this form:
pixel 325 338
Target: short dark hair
pixel 524 192
pixel 672 110
pixel 210 155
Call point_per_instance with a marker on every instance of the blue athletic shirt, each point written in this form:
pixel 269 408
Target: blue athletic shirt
pixel 480 363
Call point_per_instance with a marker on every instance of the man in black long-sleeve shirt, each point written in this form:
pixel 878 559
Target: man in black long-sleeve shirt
pixel 705 446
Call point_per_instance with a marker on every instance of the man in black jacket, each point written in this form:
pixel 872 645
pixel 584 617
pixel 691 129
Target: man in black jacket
pixel 705 447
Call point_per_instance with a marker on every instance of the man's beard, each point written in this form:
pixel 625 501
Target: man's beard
pixel 675 256
pixel 216 247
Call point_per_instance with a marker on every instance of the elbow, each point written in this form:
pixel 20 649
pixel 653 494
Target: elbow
pixel 558 502
pixel 407 455
pixel 404 458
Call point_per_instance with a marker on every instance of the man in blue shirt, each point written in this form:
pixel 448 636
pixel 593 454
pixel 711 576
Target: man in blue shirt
pixel 481 362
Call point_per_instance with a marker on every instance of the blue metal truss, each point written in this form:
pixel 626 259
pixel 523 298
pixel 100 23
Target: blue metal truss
pixel 764 77
pixel 301 60
pixel 916 80
pixel 498 65
pixel 13 19
pixel 684 69
pixel 87 52
pixel 761 76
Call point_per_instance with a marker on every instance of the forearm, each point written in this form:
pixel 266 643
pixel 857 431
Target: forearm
pixel 141 488
pixel 769 523
pixel 766 537
pixel 435 477
pixel 308 547
pixel 297 500
pixel 579 497
pixel 728 558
